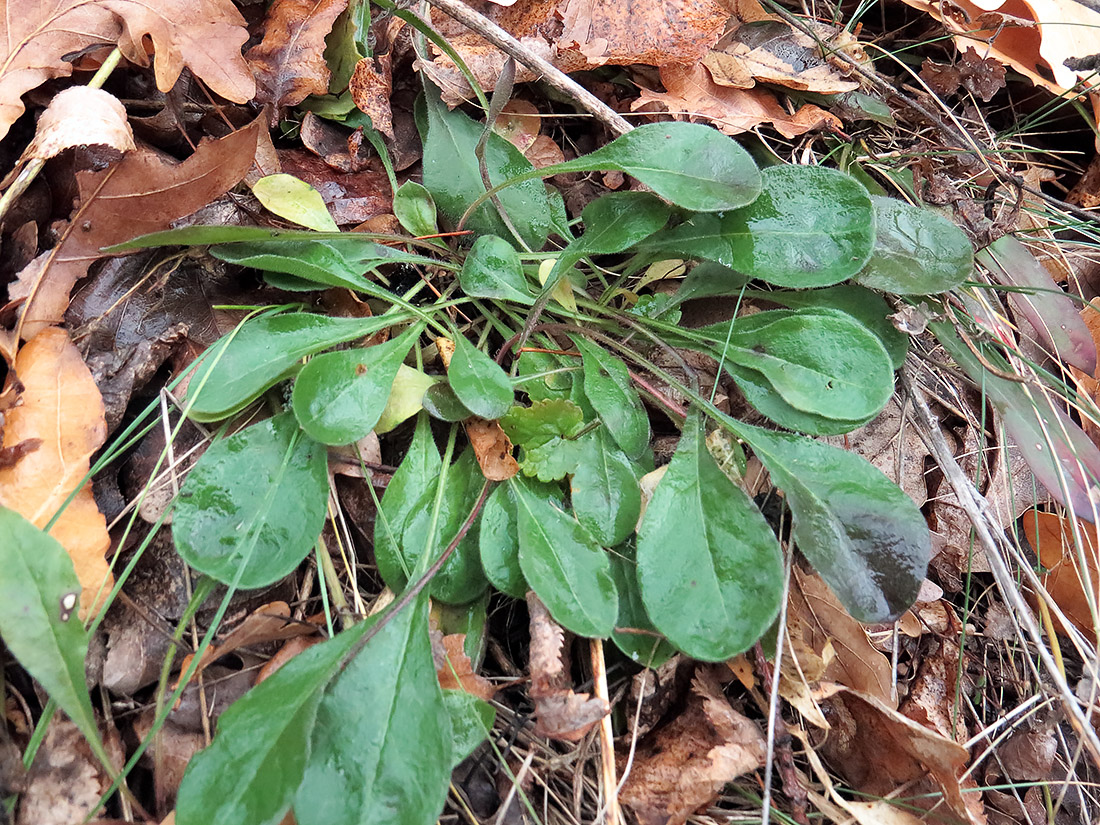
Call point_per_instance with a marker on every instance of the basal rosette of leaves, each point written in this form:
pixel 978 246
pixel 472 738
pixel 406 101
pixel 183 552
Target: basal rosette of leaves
pixel 697 564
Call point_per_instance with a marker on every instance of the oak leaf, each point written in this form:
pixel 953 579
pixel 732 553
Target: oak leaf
pixel 62 410
pixel 203 35
pixel 141 194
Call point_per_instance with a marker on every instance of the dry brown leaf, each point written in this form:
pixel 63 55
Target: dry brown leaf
pixel 1089 385
pixel 331 143
pixel 289 63
pixel 878 750
pixel 370 86
pixel 351 197
pixel 559 712
pixel 82 116
pixel 492 449
pixel 65 780
pixel 1051 537
pixel 141 194
pixel 204 35
pixel 685 764
pixel 693 95
pixel 454 668
pixel 63 409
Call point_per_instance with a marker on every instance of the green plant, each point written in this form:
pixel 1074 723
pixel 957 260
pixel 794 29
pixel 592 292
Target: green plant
pixel 701 567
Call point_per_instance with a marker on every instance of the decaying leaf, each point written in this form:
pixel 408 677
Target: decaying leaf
pixel 82 116
pixel 1052 537
pixel 289 63
pixel 1089 385
pixel 691 94
pixel 140 194
pixel 492 449
pixel 454 668
pixel 65 781
pixel 559 712
pixel 62 409
pixel 371 85
pixel 685 764
pixel 204 35
pixel 981 76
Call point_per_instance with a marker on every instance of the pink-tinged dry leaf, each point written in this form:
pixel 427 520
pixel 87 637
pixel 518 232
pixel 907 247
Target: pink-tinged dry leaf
pixel 454 668
pixel 141 194
pixel 82 116
pixel 559 712
pixel 492 449
pixel 62 409
pixel 371 85
pixel 693 95
pixel 204 35
pixel 289 63
pixel 685 764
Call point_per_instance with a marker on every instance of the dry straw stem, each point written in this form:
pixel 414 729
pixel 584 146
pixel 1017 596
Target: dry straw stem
pixel 976 509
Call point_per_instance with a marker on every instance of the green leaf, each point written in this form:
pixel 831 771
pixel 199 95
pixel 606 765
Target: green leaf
pixel 262 352
pixel 866 537
pixel 648 648
pixel 917 251
pixel 415 210
pixel 406 397
pixel 471 722
pixel 381 744
pixel 219 234
pixel 461 579
pixel 294 199
pixel 811 226
pixel 553 460
pixel 546 376
pixel 451 174
pixel 605 496
pixel 498 542
pixel 609 390
pixel 564 565
pixel 478 381
pixel 720 175
pixel 416 474
pixel 493 270
pixel 39 592
pixel 710 569
pixel 535 425
pixel 253 505
pixel 339 396
pixel 441 402
pixel 249 775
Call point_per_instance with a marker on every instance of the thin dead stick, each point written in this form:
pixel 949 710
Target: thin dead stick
pixel 551 74
pixel 607 737
pixel 975 508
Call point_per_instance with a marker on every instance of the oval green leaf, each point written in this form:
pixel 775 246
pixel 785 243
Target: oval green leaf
pixel 253 505
pixel 414 209
pixel 564 565
pixel 710 569
pixel 478 381
pixel 441 403
pixel 605 495
pixel 609 390
pixel 646 647
pixel 917 251
pixel 498 541
pixel 492 269
pixel 294 199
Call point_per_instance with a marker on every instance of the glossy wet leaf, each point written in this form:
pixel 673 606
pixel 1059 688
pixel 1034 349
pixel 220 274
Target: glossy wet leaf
pixel 609 390
pixel 493 270
pixel 264 351
pixel 1050 311
pixel 441 403
pixel 451 175
pixel 39 597
pixel 537 424
pixel 498 543
pixel 414 209
pixel 605 494
pixel 710 568
pixel 917 251
pixel 553 460
pixel 294 199
pixel 381 744
pixel 251 771
pixel 720 176
pixel 339 396
pixel 478 381
pixel 648 648
pixel 471 722
pixel 564 565
pixel 811 226
pixel 461 579
pixel 254 504
pixel 417 473
pixel 863 535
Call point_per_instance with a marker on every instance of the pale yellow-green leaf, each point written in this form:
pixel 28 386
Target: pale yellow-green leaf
pixel 406 397
pixel 294 199
pixel 563 290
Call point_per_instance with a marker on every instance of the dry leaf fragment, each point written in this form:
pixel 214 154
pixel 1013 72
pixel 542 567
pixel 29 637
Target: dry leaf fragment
pixel 140 194
pixel 204 35
pixel 61 408
pixel 289 63
pixel 685 764
pixel 82 116
pixel 454 668
pixel 65 780
pixel 492 448
pixel 1052 537
pixel 370 86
